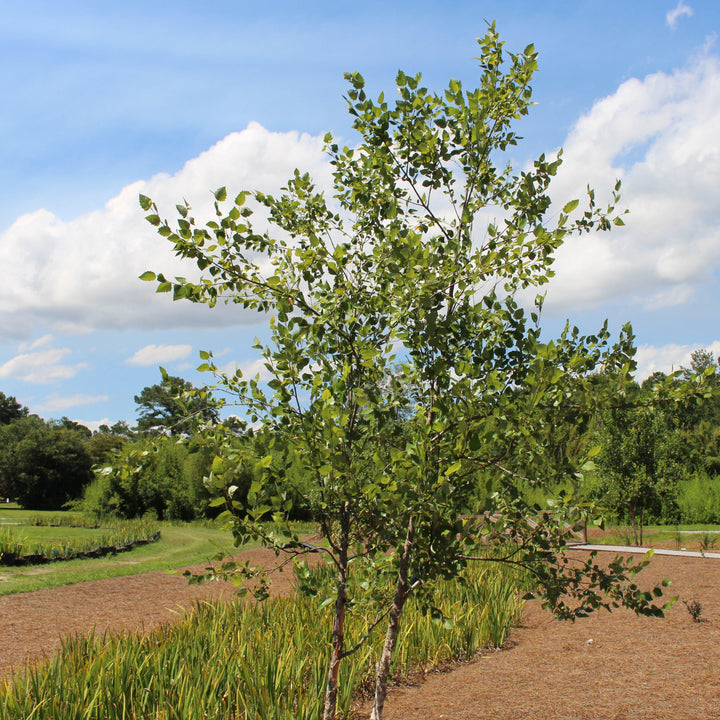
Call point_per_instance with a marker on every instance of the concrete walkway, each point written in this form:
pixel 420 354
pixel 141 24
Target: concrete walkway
pixel 624 549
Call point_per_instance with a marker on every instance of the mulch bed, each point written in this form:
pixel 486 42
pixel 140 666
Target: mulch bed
pixel 608 666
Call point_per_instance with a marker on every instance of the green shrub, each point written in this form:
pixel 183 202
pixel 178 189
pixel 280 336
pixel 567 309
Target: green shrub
pixel 161 478
pixel 699 499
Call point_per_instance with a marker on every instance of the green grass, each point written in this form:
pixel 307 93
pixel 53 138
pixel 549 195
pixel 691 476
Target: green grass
pixel 680 535
pixel 12 514
pixel 178 546
pixel 49 535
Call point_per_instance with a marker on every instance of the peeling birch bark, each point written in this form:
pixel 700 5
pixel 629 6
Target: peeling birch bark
pixel 382 669
pixel 338 631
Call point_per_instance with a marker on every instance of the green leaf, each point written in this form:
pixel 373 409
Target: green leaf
pixel 145 202
pixel 148 275
pixel 569 207
pixel 220 194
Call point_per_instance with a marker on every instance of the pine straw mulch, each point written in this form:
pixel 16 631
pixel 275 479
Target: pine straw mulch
pixel 608 666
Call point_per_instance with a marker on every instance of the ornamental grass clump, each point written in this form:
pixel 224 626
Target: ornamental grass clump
pixel 12 545
pixel 263 661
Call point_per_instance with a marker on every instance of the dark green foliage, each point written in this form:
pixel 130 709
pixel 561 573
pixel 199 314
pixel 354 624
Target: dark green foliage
pixel 43 465
pixel 101 446
pixel 68 424
pixel 660 454
pixel 163 478
pixel 174 407
pixel 120 428
pixel 10 409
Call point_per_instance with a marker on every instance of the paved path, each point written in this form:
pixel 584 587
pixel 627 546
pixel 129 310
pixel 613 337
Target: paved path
pixel 642 550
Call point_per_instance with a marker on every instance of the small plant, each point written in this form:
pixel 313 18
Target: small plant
pixel 678 538
pixel 626 536
pixel 12 546
pixel 695 610
pixel 707 542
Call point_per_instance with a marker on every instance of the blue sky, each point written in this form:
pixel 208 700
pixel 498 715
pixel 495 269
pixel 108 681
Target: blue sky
pixel 102 101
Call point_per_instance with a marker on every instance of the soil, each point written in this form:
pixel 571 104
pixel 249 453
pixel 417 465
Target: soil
pixel 610 666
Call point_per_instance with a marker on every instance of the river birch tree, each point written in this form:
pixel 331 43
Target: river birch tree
pixel 403 367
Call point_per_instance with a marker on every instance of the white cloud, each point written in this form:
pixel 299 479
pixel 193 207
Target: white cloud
pixel 249 369
pixel 672 16
pixel 667 358
pixel 55 403
pixel 82 275
pixel 94 425
pixel 40 364
pixel 156 354
pixel 40 342
pixel 256 367
pixel 659 135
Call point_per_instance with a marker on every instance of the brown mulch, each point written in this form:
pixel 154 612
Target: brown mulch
pixel 608 666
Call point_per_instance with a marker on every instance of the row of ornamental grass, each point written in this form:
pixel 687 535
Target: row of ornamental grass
pixel 44 542
pixel 249 661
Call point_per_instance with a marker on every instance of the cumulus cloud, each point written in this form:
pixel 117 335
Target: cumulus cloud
pixel 38 363
pixel 249 369
pixel 82 275
pixel 659 136
pixel 156 354
pixel 56 403
pixel 667 358
pixel 94 425
pixel 672 16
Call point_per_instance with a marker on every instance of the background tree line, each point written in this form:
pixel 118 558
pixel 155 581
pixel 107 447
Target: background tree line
pixel 657 463
pixel 156 467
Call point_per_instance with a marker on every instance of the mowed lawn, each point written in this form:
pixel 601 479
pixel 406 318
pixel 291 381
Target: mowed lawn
pixel 180 545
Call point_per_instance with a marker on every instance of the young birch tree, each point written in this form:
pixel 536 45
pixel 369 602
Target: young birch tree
pixel 402 367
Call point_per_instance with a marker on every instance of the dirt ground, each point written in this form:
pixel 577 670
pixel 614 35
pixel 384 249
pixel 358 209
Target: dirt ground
pixel 610 666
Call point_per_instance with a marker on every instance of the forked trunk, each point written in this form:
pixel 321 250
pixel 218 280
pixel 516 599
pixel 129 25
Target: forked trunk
pixel 382 669
pixel 338 631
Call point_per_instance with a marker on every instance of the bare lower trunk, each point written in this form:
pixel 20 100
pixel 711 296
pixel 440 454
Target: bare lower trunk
pixel 633 520
pixel 338 637
pixel 338 631
pixel 382 669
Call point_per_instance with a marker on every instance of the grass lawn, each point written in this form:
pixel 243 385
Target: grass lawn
pixel 179 545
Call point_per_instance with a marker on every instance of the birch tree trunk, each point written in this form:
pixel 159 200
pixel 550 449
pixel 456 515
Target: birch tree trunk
pixel 338 631
pixel 382 669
